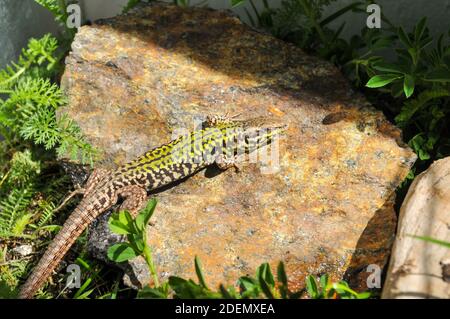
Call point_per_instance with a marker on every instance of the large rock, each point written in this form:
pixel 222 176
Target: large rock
pixel 327 207
pixel 421 269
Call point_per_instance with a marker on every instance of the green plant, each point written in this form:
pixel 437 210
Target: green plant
pixel 432 240
pixel 29 110
pixel 302 23
pixel 31 181
pixel 130 5
pixel 325 289
pixel 59 10
pixel 38 59
pixel 411 86
pixel 135 229
pixel 262 285
pixel 418 78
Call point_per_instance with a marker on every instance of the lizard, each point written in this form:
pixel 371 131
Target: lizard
pixel 221 140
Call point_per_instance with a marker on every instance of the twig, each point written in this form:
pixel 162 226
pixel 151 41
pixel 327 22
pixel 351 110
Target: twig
pixel 77 191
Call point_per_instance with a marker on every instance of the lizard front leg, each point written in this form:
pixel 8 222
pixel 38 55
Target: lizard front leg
pixel 225 162
pixel 135 198
pixel 213 120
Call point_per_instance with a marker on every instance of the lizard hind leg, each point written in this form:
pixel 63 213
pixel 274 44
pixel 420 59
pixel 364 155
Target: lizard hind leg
pixel 135 199
pixel 96 176
pixel 94 179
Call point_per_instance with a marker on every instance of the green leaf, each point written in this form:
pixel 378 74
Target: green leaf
pixel 282 278
pixel 311 287
pixel 420 28
pixel 6 291
pixel 404 37
pixel 413 53
pixel 198 271
pixel 235 3
pixel 247 283
pixel 266 289
pixel 187 289
pixel 363 295
pixel 432 240
pixel 121 252
pixel 264 273
pixel 389 67
pixel 117 224
pixel 118 228
pixel 130 5
pixel 382 42
pixel 281 274
pixel 249 286
pixel 412 106
pixel 382 80
pixel 417 143
pixel 340 12
pixel 126 218
pixel 439 75
pixel 137 241
pixel 324 281
pixel 229 293
pixel 408 85
pixel 144 216
pixel 397 89
pixel 344 291
pixel 153 293
pixel 84 295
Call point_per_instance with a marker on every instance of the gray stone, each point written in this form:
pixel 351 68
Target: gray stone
pixel 23 250
pixel 420 269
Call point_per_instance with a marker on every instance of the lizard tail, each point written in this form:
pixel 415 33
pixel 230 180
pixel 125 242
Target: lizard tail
pixel 71 230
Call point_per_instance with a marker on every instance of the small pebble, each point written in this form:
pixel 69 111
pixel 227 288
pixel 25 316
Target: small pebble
pixel 23 250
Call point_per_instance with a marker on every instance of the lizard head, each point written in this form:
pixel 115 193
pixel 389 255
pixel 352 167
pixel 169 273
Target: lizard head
pixel 260 131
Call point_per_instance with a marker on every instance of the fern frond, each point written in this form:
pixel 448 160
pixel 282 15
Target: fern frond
pixel 30 111
pixel 39 91
pixel 37 52
pixel 29 95
pixel 42 128
pixel 9 276
pixel 12 210
pixel 23 168
pixel 410 107
pixel 59 10
pixel 52 6
pixel 73 143
pixel 20 224
pixel 47 209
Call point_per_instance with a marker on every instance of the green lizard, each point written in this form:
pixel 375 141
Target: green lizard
pixel 221 140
